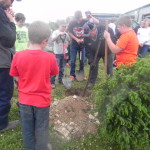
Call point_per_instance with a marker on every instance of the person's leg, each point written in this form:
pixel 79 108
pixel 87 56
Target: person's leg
pixel 82 60
pixel 73 54
pixel 144 50
pixel 110 64
pixel 61 68
pixel 58 62
pixel 41 128
pixel 6 92
pixel 94 71
pixel 28 126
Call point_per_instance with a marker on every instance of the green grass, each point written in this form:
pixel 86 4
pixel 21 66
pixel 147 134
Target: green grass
pixel 12 140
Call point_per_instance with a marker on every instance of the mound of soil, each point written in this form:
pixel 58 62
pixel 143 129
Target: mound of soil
pixel 71 117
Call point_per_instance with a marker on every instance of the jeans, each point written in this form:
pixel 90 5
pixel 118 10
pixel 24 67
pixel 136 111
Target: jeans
pixel 61 63
pixel 95 69
pixel 73 54
pixel 6 93
pixel 143 50
pixel 35 127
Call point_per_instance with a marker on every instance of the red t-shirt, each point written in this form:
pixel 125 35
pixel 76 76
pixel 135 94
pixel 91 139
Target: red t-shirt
pixel 129 43
pixel 34 69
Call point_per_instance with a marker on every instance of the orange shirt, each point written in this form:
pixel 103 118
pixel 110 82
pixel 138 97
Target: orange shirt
pixel 34 69
pixel 129 43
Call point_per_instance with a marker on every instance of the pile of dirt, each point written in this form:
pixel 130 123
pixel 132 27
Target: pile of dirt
pixel 71 117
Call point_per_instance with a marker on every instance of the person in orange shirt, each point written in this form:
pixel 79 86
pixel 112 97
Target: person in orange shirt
pixel 127 45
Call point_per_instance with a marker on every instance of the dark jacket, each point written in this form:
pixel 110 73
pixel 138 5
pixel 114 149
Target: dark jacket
pixel 91 45
pixel 7 40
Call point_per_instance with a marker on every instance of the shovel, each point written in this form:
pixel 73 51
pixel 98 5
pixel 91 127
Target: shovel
pixel 80 73
pixel 92 67
pixel 67 82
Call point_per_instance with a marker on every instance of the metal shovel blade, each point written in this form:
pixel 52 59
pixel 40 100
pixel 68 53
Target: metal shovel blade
pixel 67 82
pixel 79 75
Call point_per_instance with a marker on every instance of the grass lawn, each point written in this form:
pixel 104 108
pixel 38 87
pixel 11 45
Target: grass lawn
pixel 12 140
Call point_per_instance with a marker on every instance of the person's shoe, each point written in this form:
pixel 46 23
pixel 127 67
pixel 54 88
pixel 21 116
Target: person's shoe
pixel 72 78
pixel 53 86
pixel 60 81
pixel 67 64
pixel 11 125
pixel 85 79
pixel 90 85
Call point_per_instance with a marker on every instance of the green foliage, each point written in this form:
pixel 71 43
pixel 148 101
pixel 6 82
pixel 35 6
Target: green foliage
pixel 124 107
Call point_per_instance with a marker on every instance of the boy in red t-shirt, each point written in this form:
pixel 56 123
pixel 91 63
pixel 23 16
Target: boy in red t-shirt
pixel 33 68
pixel 127 46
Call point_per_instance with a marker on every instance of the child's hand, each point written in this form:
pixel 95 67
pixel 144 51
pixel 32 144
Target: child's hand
pixel 106 35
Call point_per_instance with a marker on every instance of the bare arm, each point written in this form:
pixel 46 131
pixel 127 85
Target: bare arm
pixel 95 20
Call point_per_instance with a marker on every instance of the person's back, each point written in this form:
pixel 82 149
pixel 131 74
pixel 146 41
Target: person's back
pixel 130 47
pixel 33 68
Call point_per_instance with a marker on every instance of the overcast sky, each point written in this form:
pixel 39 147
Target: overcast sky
pixel 52 10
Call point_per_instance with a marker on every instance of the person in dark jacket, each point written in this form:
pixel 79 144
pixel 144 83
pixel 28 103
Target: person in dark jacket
pixel 94 35
pixel 7 40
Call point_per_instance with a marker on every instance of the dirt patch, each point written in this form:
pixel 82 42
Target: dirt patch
pixel 77 92
pixel 71 117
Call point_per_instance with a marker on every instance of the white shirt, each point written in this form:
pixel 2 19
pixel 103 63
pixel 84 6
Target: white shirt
pixel 59 46
pixel 143 35
pixel 113 27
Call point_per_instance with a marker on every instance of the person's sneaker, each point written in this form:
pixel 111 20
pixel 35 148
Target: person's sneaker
pixel 85 79
pixel 11 125
pixel 60 81
pixel 72 78
pixel 67 64
pixel 53 86
pixel 90 85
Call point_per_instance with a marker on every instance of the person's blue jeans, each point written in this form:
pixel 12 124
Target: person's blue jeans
pixel 143 51
pixel 73 54
pixel 61 63
pixel 94 73
pixel 35 127
pixel 6 93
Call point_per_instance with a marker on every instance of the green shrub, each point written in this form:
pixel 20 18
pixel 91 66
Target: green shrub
pixel 124 107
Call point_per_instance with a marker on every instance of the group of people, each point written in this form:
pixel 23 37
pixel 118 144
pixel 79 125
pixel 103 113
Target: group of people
pixel 85 35
pixel 32 67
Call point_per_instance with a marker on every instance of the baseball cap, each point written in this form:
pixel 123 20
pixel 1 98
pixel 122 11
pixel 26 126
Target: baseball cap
pixel 88 27
pixel 87 12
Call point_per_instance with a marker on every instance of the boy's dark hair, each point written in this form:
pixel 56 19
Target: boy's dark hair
pixel 19 16
pixel 78 14
pixel 124 20
pixel 38 31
